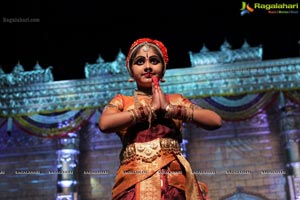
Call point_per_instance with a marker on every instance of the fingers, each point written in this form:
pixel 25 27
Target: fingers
pixel 155 104
pixel 158 98
pixel 153 88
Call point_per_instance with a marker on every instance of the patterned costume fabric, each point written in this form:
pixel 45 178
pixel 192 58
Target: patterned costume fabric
pixel 151 163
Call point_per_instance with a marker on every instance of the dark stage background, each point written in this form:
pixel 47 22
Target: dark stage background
pixel 72 33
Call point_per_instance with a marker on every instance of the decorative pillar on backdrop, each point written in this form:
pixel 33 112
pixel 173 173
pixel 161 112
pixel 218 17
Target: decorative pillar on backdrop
pixel 290 130
pixel 67 157
pixel 185 141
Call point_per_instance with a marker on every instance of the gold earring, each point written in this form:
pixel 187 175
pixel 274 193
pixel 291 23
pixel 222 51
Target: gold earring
pixel 130 80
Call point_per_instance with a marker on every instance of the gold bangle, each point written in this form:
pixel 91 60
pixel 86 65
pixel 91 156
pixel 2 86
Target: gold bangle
pixel 132 116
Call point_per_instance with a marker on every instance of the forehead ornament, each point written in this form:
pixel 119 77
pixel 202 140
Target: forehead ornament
pixel 146 47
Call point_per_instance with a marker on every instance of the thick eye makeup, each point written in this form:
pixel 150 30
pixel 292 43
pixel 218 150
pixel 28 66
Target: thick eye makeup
pixel 140 60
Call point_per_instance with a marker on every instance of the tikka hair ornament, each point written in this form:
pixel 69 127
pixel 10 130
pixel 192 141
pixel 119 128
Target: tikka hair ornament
pixel 146 47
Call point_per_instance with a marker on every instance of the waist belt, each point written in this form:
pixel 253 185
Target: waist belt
pixel 149 151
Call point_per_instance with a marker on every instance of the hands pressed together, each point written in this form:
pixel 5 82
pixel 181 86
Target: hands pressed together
pixel 203 117
pixel 159 101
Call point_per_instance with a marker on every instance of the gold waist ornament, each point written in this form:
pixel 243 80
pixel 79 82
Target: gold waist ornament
pixel 149 151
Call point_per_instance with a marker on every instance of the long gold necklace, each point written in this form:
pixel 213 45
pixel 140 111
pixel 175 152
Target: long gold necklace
pixel 136 100
pixel 146 106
